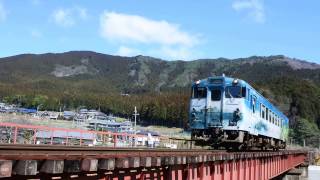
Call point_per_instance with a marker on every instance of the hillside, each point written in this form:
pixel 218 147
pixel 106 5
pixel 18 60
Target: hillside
pixel 159 88
pixel 141 72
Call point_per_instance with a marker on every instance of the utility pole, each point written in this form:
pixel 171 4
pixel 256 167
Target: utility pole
pixel 135 119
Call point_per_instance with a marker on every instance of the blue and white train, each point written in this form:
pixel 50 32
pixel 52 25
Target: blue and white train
pixel 228 112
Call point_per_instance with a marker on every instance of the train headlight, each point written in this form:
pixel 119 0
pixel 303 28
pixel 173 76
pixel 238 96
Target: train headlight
pixel 198 82
pixel 235 81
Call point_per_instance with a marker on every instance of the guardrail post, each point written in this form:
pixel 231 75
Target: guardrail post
pixel 67 138
pixel 51 138
pixel 15 135
pixel 80 138
pixel 34 136
pixel 115 140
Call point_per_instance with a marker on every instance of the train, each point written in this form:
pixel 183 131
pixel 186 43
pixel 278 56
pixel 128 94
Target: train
pixel 229 113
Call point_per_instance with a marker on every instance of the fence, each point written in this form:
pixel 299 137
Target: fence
pixel 12 133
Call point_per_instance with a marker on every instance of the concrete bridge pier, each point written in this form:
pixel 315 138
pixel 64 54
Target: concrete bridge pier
pixel 298 173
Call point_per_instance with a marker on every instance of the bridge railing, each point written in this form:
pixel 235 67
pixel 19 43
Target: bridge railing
pixel 11 133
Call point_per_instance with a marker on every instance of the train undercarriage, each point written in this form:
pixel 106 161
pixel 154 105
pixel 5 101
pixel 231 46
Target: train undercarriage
pixel 235 140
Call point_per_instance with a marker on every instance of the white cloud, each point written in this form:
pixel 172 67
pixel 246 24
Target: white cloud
pixel 254 8
pixel 67 17
pixel 156 38
pixel 124 27
pixel 127 51
pixel 35 33
pixel 3 13
pixel 63 17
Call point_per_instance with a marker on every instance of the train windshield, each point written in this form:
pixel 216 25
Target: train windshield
pixel 215 95
pixel 199 92
pixel 235 92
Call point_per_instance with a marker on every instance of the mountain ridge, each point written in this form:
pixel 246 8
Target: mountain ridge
pixel 140 71
pixel 84 52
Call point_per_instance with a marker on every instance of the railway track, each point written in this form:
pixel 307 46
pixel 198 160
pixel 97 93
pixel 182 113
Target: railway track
pixel 39 152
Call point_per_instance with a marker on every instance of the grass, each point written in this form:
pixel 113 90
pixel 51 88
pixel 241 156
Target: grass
pixel 166 131
pixel 29 120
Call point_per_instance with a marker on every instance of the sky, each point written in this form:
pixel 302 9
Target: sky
pixel 167 29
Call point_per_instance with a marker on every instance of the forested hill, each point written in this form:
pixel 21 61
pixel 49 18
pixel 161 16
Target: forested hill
pixel 159 88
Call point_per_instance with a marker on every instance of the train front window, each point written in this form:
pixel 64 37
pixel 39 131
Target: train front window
pixel 215 95
pixel 199 92
pixel 234 92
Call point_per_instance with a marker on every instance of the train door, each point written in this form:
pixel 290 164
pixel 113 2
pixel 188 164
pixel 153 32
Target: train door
pixel 215 106
pixel 253 101
pixel 198 106
pixel 254 114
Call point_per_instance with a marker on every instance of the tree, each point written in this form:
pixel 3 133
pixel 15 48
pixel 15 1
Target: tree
pixel 306 131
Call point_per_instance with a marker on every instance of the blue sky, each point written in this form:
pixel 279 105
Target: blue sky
pixel 180 29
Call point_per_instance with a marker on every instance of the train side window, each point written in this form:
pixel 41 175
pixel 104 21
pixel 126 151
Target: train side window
pixel 279 123
pixel 215 95
pixel 270 113
pixel 263 111
pixel 267 114
pixel 273 120
pixel 260 110
pixel 253 103
pixel 244 92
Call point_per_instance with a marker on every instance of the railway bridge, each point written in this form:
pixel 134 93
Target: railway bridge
pixel 38 152
pixel 74 162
